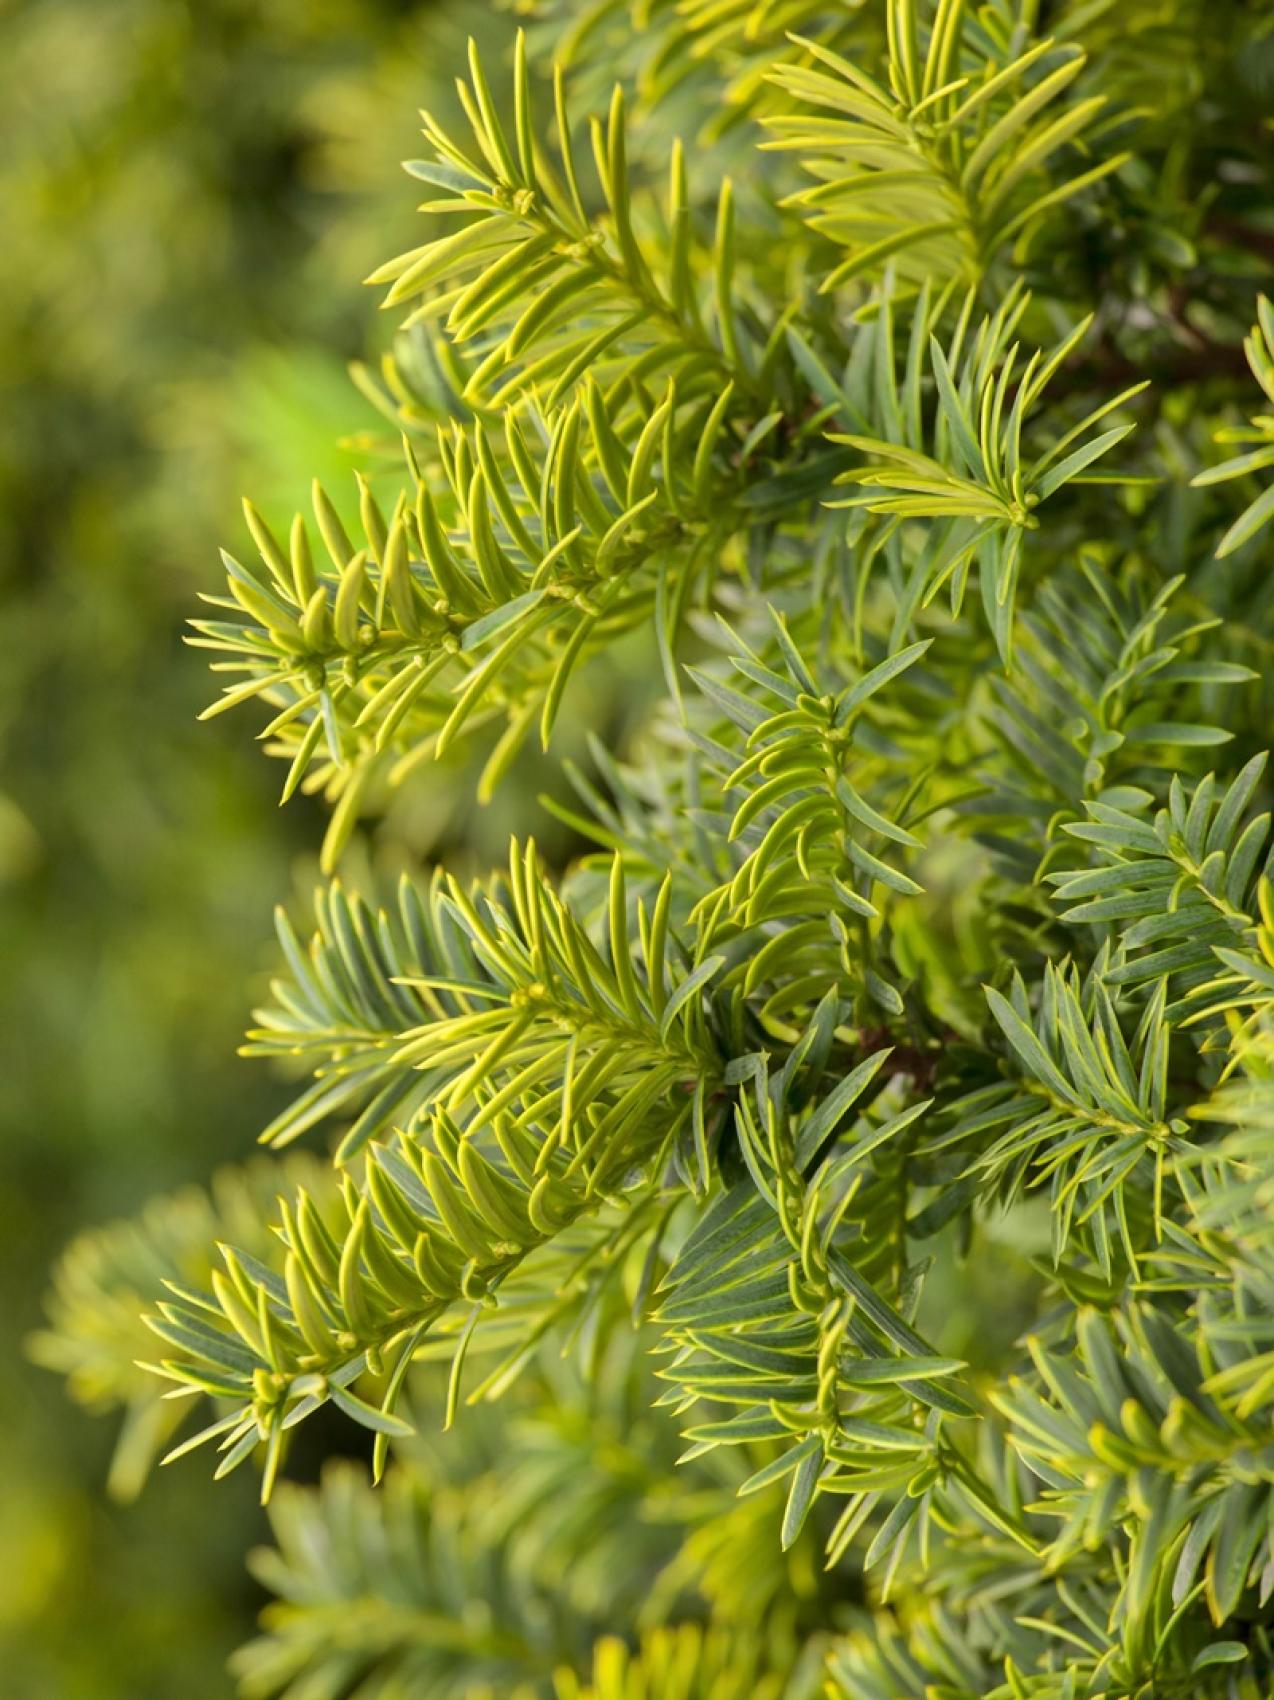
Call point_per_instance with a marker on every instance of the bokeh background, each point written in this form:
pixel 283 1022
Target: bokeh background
pixel 192 191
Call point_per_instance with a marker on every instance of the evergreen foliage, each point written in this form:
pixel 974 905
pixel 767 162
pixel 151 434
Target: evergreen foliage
pixel 924 927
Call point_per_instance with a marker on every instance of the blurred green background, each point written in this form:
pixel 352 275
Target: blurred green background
pixel 192 190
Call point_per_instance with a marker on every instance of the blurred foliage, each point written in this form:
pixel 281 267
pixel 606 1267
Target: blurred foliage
pixel 192 188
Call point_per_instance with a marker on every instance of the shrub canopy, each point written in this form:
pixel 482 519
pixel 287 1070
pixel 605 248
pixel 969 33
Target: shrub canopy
pixel 841 1190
